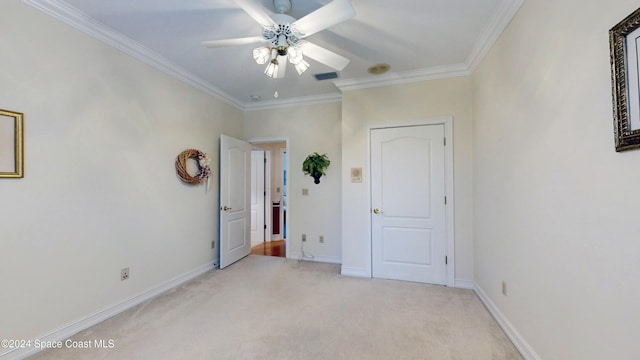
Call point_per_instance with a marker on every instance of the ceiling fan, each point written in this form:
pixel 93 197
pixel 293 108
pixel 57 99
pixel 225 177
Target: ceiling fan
pixel 283 36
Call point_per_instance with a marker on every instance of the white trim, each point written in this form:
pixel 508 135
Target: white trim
pixel 447 122
pixel 520 343
pixel 397 78
pixel 324 259
pixel 353 271
pixel 464 284
pixel 282 199
pixel 450 207
pixel 499 21
pixel 267 199
pixel 83 22
pixel 298 101
pixel 66 331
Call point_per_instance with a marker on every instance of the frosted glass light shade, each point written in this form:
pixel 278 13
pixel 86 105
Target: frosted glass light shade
pixel 272 69
pixel 261 55
pixel 301 67
pixel 295 55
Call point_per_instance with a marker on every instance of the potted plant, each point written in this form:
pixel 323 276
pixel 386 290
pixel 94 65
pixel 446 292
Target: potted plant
pixel 314 165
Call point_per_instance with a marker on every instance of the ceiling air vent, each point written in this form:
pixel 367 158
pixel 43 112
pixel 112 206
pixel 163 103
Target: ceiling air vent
pixel 326 76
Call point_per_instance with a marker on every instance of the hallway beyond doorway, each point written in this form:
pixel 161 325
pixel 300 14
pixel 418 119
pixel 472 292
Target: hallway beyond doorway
pixel 270 248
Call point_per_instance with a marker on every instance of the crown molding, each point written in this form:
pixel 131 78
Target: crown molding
pixel 432 73
pixel 73 17
pixel 499 21
pixel 298 101
pixel 81 21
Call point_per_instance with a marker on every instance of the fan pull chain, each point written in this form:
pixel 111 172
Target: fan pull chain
pixel 275 88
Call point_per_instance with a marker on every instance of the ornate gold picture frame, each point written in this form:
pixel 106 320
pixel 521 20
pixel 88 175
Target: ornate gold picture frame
pixel 11 144
pixel 624 42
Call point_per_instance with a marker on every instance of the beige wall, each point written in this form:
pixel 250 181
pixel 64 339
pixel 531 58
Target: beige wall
pixel 100 192
pixel 556 208
pixel 542 200
pixel 313 128
pixel 397 104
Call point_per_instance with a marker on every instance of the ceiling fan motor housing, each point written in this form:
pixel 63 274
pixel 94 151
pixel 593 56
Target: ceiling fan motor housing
pixel 282 6
pixel 281 35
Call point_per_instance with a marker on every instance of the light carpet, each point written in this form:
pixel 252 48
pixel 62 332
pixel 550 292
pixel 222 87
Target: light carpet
pixel 273 308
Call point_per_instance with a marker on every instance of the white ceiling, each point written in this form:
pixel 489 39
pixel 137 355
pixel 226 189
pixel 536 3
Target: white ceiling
pixel 420 39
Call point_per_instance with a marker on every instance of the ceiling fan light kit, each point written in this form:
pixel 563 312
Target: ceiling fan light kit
pixel 261 55
pixel 282 36
pixel 301 67
pixel 272 69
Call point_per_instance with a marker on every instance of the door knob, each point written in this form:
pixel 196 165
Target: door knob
pixel 225 208
pixel 377 211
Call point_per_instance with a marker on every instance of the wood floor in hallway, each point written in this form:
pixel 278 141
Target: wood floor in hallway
pixel 270 248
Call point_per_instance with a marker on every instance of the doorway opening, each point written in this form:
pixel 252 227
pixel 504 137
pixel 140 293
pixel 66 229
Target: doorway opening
pixel 269 198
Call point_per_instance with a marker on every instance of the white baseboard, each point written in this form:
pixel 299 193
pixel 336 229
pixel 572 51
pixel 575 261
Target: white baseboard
pixel 353 271
pixel 326 259
pixel 88 321
pixel 464 284
pixel 520 343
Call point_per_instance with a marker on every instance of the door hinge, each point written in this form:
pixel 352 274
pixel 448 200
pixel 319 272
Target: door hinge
pixel 265 159
pixel 446 261
pixel 445 200
pixel 265 226
pixel 445 141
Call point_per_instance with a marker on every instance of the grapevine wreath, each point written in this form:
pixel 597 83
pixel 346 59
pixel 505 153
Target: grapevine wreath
pixel 202 159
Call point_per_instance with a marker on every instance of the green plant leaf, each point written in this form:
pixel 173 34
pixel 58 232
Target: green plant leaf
pixel 315 163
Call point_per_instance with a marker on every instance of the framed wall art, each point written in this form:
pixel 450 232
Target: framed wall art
pixel 624 42
pixel 11 144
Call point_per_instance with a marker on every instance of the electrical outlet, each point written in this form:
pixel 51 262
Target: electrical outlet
pixel 213 244
pixel 304 237
pixel 305 192
pixel 321 239
pixel 124 274
pixel 504 288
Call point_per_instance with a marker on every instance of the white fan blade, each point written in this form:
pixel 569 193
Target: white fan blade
pixel 233 42
pixel 331 14
pixel 282 67
pixel 258 12
pixel 322 55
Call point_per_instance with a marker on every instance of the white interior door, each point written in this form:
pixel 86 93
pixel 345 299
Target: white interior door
pixel 258 197
pixel 235 207
pixel 408 203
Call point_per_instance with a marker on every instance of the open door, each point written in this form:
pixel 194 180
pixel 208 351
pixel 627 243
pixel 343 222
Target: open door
pixel 235 201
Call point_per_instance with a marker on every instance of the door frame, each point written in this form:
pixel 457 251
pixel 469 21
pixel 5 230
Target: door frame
pixel 287 141
pixel 447 121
